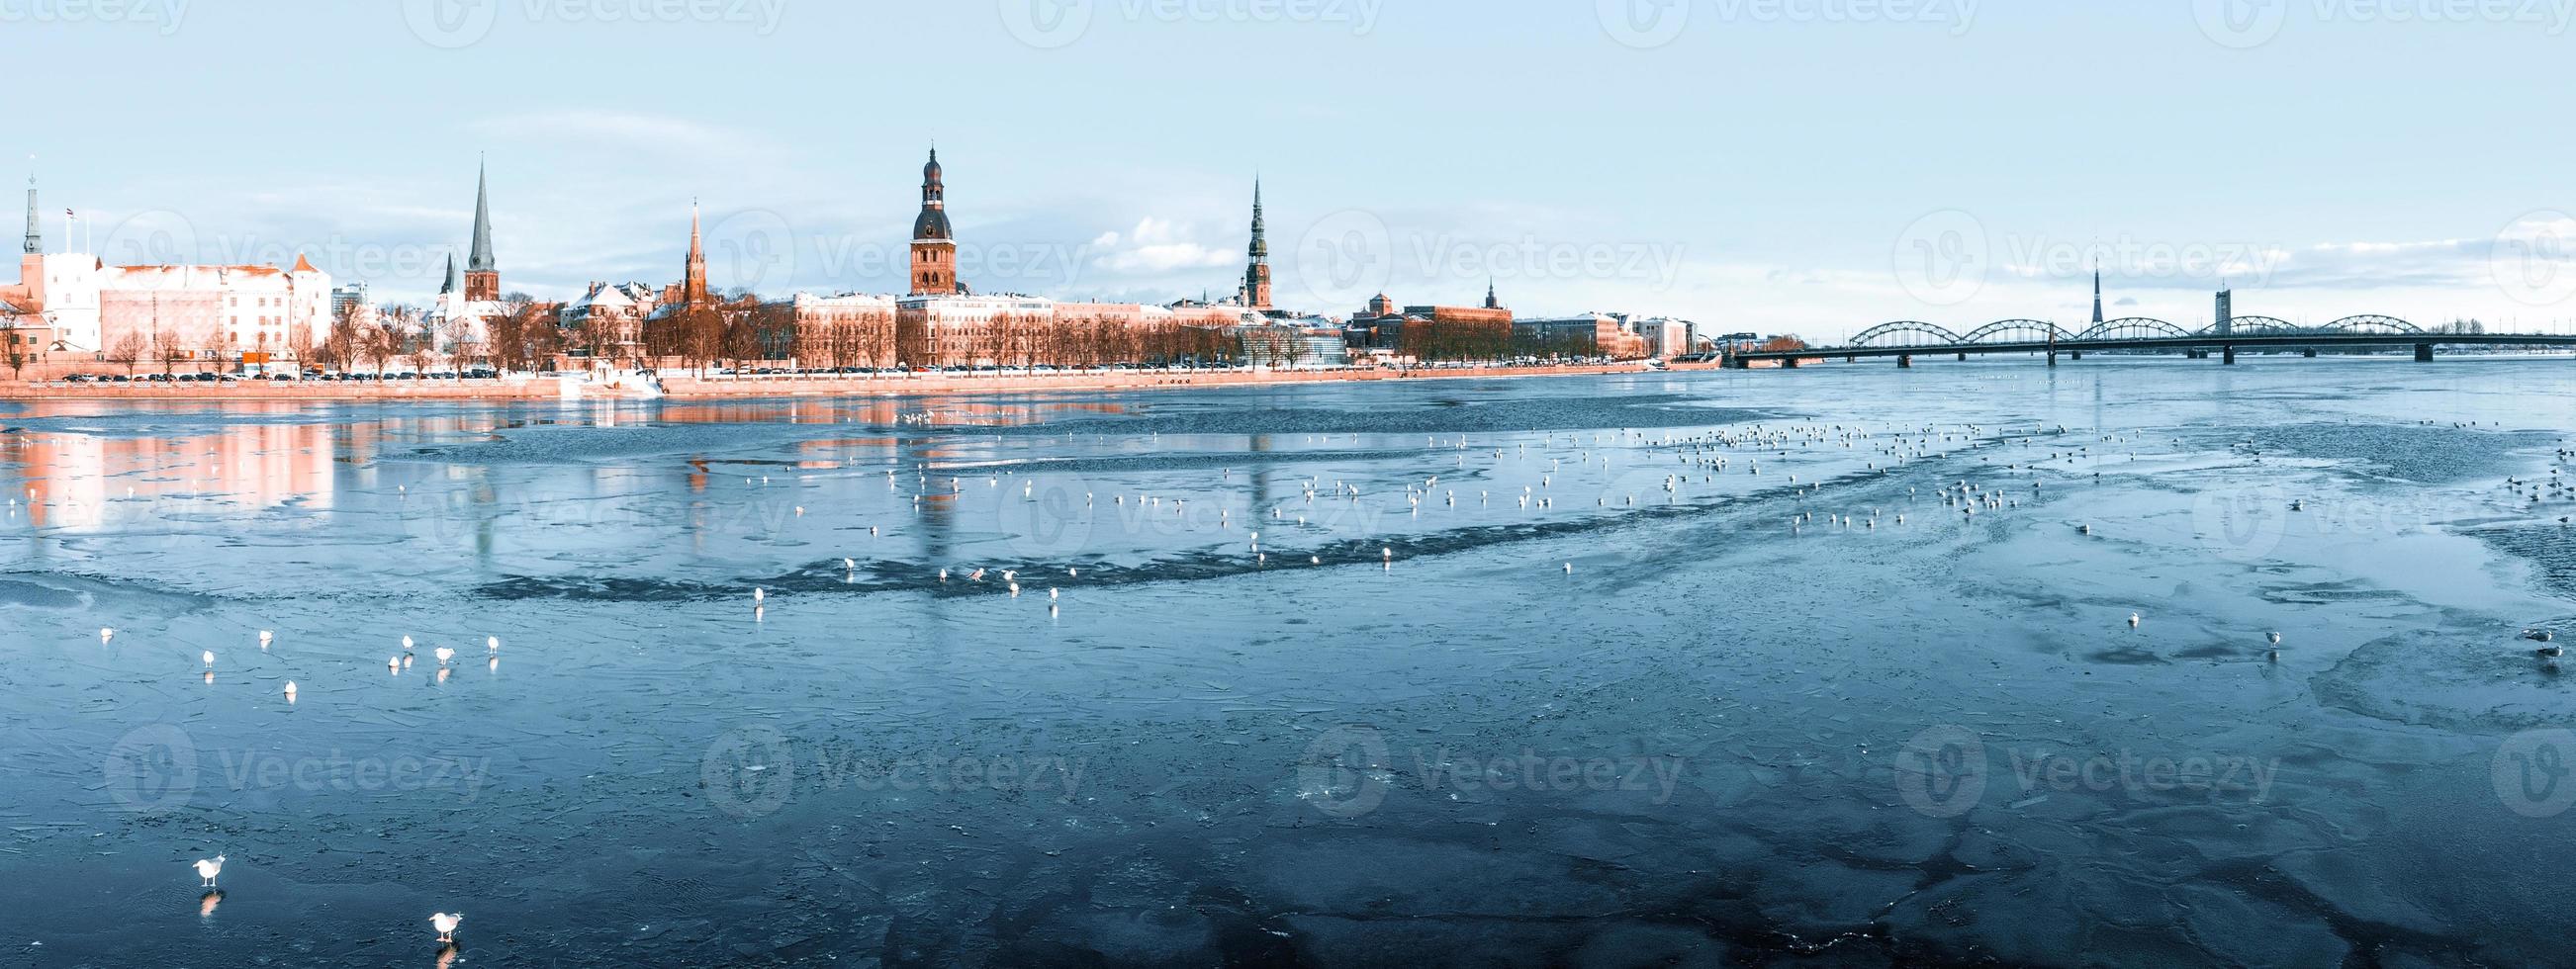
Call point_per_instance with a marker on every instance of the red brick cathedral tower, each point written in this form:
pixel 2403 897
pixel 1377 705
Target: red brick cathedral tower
pixel 482 275
pixel 693 279
pixel 1256 278
pixel 934 248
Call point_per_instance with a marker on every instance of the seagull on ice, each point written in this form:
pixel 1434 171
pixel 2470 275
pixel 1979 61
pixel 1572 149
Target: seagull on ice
pixel 444 654
pixel 492 642
pixel 105 634
pixel 210 659
pixel 207 869
pixel 2133 620
pixel 446 924
pixel 264 637
pixel 290 694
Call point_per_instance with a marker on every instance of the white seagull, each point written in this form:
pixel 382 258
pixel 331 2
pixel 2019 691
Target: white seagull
pixel 207 869
pixel 446 924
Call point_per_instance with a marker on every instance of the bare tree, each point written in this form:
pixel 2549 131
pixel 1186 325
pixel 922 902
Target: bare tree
pixel 17 354
pixel 128 350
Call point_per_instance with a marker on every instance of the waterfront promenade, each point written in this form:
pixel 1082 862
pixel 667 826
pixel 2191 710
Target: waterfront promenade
pixel 768 385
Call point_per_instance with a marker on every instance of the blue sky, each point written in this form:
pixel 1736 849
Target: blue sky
pixel 1809 166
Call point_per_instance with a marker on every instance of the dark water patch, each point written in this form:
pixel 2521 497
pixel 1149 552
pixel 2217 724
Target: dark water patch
pixel 32 595
pixel 2410 452
pixel 2550 548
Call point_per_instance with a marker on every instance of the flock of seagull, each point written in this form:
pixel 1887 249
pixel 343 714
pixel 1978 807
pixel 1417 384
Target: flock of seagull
pixel 1702 459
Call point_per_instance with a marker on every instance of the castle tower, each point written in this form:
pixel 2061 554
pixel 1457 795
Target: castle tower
pixel 482 276
pixel 35 236
pixel 934 248
pixel 693 280
pixel 1256 277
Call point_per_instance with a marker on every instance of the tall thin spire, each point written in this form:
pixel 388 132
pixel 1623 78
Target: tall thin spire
pixel 447 283
pixel 693 282
pixel 2097 291
pixel 480 259
pixel 1492 302
pixel 1256 275
pixel 35 235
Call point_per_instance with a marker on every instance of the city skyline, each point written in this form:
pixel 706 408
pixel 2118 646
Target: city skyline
pixel 1791 207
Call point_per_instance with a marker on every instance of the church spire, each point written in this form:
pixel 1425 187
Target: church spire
pixel 447 282
pixel 480 260
pixel 35 235
pixel 482 274
pixel 693 282
pixel 1256 275
pixel 1491 301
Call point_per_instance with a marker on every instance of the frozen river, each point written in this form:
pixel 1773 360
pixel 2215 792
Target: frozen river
pixel 1834 667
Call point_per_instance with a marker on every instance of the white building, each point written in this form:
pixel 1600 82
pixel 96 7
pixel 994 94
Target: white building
pixel 200 313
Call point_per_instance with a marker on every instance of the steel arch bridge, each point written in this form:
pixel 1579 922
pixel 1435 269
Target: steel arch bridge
pixel 1916 333
pixel 1906 339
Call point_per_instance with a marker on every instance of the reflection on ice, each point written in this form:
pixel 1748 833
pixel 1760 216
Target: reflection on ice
pixel 1892 733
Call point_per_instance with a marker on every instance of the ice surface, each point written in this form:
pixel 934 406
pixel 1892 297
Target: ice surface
pixel 1759 720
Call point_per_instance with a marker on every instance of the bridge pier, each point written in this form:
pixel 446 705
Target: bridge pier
pixel 2423 353
pixel 2227 355
pixel 1851 359
pixel 1905 361
pixel 2310 353
pixel 2052 358
pixel 1789 363
pixel 1963 358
